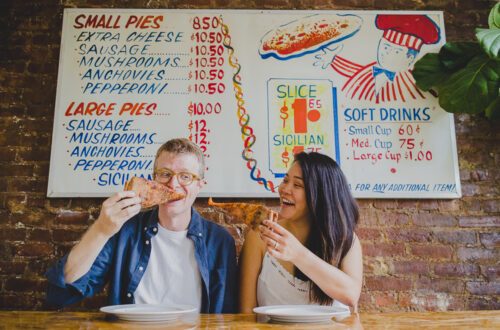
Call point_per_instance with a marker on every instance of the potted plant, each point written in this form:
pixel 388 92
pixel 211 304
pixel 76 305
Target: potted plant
pixel 466 75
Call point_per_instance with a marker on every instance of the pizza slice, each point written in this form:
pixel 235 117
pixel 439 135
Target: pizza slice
pixel 250 214
pixel 151 192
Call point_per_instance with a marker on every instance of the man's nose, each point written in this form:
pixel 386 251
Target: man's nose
pixel 174 182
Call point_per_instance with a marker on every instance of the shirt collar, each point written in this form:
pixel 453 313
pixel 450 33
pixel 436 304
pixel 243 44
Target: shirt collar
pixel 195 225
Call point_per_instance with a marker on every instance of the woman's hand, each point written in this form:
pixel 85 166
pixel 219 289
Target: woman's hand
pixel 280 242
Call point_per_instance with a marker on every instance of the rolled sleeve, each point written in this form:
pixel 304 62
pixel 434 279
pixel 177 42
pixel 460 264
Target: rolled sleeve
pixel 60 293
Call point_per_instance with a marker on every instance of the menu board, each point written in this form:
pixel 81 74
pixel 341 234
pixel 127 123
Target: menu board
pixel 251 88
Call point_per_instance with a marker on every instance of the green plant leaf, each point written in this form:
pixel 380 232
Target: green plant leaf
pixel 429 72
pixel 456 55
pixel 493 110
pixel 472 89
pixel 494 17
pixel 489 39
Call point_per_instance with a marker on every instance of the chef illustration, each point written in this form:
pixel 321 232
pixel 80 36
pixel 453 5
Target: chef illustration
pixel 389 78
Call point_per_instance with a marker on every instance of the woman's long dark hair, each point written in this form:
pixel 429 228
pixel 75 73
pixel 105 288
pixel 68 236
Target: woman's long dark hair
pixel 333 211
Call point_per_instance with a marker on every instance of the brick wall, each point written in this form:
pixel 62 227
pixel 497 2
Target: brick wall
pixel 418 254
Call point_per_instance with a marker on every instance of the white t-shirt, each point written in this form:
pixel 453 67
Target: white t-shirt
pixel 172 275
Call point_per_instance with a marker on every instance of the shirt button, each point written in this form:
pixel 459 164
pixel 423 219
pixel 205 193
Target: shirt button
pixel 147 242
pixel 141 268
pixel 129 295
pixel 199 234
pixel 145 228
pixel 155 229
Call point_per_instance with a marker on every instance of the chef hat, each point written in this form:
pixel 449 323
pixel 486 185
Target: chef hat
pixel 411 31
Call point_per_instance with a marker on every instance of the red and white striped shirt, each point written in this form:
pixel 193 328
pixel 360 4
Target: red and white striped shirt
pixel 361 83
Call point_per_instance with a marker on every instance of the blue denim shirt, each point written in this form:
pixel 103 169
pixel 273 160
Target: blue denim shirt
pixel 124 258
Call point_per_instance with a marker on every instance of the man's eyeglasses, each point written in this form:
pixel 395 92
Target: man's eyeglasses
pixel 184 178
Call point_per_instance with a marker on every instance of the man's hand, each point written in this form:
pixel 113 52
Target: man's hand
pixel 116 210
pixel 326 55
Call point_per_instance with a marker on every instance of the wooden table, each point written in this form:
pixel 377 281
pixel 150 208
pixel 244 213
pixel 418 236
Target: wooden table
pixel 410 320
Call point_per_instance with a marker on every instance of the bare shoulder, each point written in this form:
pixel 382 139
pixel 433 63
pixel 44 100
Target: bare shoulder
pixel 254 242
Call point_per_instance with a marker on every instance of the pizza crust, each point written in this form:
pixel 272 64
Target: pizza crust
pixel 151 192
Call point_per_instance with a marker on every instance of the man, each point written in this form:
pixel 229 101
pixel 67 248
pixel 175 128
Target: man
pixel 390 77
pixel 167 255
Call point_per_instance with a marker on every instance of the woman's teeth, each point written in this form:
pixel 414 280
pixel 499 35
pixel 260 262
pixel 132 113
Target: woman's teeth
pixel 286 202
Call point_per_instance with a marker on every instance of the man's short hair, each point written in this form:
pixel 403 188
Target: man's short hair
pixel 182 146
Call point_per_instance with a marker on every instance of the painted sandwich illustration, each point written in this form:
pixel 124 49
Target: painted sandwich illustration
pixel 151 192
pixel 308 34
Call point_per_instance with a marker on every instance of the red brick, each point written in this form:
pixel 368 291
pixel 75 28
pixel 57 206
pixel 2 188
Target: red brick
pixel 477 254
pixel 62 249
pixel 455 236
pixel 382 249
pixel 495 303
pixel 16 170
pixel 368 233
pixel 409 235
pixel 440 285
pixel 491 206
pixel 35 201
pixel 434 219
pixel 470 190
pixel 423 301
pixel 386 283
pixel 7 154
pixel 493 221
pixel 12 267
pixel 13 234
pixel 464 175
pixel 449 205
pixel 375 266
pixel 394 219
pixel 21 284
pixel 477 303
pixel 483 288
pixel 35 154
pixel 34 249
pixel 432 251
pixel 407 204
pixel 471 204
pixel 365 299
pixel 33 184
pixel 384 300
pixel 72 218
pixel 385 204
pixel 40 235
pixel 67 235
pixel 41 218
pixel 368 216
pixel 16 301
pixel 15 202
pixel 410 267
pixel 428 205
pixel 491 272
pixel 455 270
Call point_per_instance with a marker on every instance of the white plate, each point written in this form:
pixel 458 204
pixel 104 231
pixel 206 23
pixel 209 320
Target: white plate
pixel 148 312
pixel 301 313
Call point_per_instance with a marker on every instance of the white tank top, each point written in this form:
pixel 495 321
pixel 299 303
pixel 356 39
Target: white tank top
pixel 276 286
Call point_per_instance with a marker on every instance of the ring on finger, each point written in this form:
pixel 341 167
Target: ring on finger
pixel 276 245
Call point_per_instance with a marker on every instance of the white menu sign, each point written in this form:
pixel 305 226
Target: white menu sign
pixel 251 88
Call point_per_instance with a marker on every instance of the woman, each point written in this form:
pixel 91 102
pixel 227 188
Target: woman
pixel 312 255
